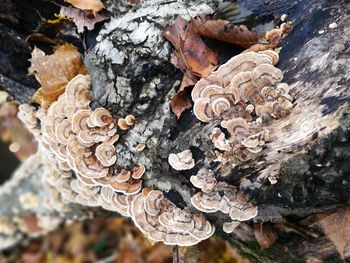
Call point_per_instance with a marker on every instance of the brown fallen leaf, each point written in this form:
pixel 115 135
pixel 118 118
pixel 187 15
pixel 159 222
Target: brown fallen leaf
pixel 196 55
pixel 224 31
pixel 265 235
pixel 337 229
pixel 93 5
pixel 82 18
pixel 180 101
pixel 54 71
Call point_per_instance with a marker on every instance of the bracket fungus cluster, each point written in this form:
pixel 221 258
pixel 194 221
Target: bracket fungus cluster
pixel 219 196
pixel 78 145
pixel 244 93
pixel 161 220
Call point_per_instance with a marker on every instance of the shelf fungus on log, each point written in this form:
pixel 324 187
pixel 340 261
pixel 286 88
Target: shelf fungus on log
pixel 161 220
pixel 182 160
pixel 79 167
pixel 245 93
pixel 219 196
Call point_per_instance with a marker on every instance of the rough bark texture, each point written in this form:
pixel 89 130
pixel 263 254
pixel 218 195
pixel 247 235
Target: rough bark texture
pixel 303 169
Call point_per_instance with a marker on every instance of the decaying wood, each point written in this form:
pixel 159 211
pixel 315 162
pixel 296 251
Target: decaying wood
pixel 304 167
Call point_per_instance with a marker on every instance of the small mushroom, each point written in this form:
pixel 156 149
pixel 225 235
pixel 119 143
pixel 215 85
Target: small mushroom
pixel 202 109
pixel 182 160
pixel 229 227
pixel 204 179
pixel 100 118
pixel 106 154
pixel 130 120
pixel 138 171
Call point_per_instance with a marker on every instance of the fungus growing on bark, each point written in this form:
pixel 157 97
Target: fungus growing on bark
pixel 204 180
pixel 80 153
pixel 244 93
pixel 182 160
pixel 161 220
pixel 229 227
pixel 219 196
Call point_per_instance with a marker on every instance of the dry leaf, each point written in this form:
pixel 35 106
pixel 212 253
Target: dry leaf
pixel 54 71
pixel 194 52
pixel 265 235
pixel 337 229
pixel 82 18
pixel 93 5
pixel 224 31
pixel 180 101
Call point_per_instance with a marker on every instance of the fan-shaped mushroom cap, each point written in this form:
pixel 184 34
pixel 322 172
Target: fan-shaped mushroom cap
pixel 246 61
pixel 182 160
pixel 79 120
pixel 48 128
pixel 78 91
pixel 57 107
pixel 243 214
pixel 202 109
pixel 219 140
pixel 241 81
pixel 63 131
pixel 229 227
pixel 138 171
pixel 177 220
pixel 100 118
pixel 212 92
pixel 220 105
pixel 235 125
pixel 113 202
pixel 105 153
pixel 27 115
pixel 203 83
pixel 74 148
pixel 128 188
pixel 266 75
pixel 154 202
pixel 123 176
pixel 202 228
pixel 130 120
pixel 205 180
pixel 90 167
pixel 122 124
pixel 207 202
pixel 272 54
pixel 160 220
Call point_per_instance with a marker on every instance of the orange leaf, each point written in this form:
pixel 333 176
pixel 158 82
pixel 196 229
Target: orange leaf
pixel 94 5
pixel 222 30
pixel 54 72
pixel 337 229
pixel 180 103
pixel 194 52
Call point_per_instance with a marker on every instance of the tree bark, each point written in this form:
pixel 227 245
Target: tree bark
pixel 303 169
